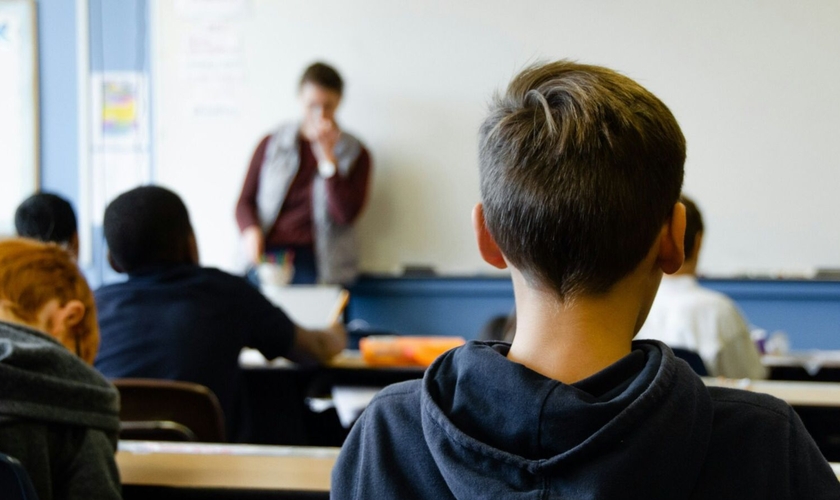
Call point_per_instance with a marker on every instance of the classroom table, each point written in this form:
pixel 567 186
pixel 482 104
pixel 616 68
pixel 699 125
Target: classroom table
pixel 797 394
pixel 216 471
pixel 278 392
pixel 814 366
pixel 286 418
pixel 220 472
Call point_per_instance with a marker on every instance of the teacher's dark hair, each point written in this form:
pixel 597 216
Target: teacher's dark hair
pixel 147 226
pixel 580 167
pixel 323 75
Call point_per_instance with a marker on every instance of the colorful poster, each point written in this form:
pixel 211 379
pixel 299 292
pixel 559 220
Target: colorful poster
pixel 120 111
pixel 119 108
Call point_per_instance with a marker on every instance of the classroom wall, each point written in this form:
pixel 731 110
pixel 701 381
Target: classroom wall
pixel 77 40
pixel 59 106
pixel 752 83
pixel 19 105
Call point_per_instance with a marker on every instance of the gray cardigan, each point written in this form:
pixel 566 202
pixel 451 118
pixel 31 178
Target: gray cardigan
pixel 336 251
pixel 58 416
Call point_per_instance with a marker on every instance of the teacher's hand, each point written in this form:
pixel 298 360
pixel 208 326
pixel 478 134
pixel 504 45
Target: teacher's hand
pixel 254 242
pixel 326 137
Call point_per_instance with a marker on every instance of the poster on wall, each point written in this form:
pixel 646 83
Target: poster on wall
pixel 119 110
pixel 120 151
pixel 18 108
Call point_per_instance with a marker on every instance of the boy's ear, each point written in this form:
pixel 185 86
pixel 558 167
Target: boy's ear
pixel 70 314
pixel 487 246
pixel 672 241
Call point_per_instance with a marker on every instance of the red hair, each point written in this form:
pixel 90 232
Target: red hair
pixel 33 273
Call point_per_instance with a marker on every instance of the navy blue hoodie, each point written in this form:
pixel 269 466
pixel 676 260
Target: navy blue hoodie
pixel 480 426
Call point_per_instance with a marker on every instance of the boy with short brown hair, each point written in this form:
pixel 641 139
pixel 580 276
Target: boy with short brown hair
pixel 581 169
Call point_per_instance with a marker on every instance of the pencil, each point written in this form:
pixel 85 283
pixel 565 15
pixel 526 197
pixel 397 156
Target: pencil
pixel 340 304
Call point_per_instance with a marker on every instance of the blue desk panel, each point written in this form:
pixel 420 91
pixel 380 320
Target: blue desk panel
pixel 430 306
pixel 808 311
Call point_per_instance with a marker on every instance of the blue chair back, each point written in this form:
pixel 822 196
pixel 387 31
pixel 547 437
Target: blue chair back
pixel 14 481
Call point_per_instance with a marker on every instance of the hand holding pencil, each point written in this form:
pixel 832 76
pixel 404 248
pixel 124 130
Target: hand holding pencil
pixel 329 341
pixel 336 327
pixel 340 305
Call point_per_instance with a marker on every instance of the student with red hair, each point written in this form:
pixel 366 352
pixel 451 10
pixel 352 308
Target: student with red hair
pixel 58 416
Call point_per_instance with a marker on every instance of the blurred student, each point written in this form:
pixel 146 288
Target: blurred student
pixel 48 217
pixel 58 416
pixel 502 328
pixel 173 319
pixel 581 170
pixel 687 315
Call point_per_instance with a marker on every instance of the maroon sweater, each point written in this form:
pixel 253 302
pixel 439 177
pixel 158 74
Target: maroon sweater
pixel 294 225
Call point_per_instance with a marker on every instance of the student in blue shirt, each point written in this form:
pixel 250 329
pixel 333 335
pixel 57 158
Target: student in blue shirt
pixel 581 170
pixel 173 319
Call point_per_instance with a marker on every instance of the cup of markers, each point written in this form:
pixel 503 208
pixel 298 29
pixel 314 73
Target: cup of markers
pixel 276 268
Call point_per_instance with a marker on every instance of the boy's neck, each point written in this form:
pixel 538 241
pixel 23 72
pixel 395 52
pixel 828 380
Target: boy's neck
pixel 573 339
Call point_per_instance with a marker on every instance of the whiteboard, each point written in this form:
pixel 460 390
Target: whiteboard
pixel 754 86
pixel 18 108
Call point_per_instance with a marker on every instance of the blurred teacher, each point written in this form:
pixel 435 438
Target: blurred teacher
pixel 305 187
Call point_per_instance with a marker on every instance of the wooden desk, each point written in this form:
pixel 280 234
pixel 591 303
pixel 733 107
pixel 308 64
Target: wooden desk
pixel 188 466
pixel 813 360
pixel 811 394
pixel 813 366
pixel 232 468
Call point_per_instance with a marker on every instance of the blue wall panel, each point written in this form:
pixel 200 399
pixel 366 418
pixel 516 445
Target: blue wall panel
pixel 808 311
pixel 59 105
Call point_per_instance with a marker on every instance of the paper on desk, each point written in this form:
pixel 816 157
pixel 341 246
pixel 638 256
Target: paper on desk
pixel 309 306
pixel 350 402
pixel 252 358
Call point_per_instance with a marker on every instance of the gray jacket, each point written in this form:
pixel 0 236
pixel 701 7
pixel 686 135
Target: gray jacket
pixel 58 416
pixel 336 252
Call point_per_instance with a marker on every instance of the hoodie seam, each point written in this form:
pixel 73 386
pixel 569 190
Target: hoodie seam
pixel 545 398
pixel 429 407
pixel 479 447
pixel 362 439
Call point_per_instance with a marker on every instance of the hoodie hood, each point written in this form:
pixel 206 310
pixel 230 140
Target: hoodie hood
pixel 41 380
pixel 519 434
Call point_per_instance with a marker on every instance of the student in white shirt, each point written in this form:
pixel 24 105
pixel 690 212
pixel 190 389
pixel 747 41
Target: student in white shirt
pixel 684 314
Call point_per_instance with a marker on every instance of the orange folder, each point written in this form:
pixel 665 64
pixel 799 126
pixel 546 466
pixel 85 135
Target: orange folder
pixel 405 351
